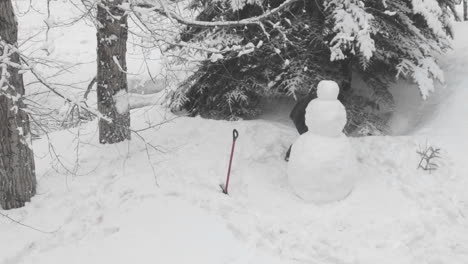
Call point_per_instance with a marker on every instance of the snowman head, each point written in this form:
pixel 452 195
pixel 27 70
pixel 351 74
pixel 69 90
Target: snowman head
pixel 327 90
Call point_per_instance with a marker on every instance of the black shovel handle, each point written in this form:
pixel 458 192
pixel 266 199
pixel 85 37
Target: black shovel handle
pixel 235 134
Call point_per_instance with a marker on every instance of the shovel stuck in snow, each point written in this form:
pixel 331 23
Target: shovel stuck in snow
pixel 224 187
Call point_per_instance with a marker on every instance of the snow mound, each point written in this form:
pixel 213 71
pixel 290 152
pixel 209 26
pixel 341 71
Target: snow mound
pixel 158 201
pixel 127 201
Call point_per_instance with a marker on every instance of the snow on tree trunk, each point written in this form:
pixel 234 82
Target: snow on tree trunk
pixel 17 170
pixel 111 74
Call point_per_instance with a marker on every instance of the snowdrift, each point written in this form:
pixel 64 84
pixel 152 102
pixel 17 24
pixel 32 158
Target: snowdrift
pixel 133 203
pixel 156 199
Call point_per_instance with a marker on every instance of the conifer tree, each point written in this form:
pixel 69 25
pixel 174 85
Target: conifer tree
pixel 287 46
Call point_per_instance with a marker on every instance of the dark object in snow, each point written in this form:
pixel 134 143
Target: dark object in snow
pixel 288 153
pixel 297 115
pixel 224 187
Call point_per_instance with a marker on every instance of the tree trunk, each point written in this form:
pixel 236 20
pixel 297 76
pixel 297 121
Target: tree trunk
pixel 111 72
pixel 465 10
pixel 17 170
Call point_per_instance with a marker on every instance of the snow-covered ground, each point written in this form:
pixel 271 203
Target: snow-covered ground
pixel 156 199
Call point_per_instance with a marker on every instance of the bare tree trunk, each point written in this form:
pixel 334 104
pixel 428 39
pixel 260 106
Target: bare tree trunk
pixel 465 10
pixel 17 170
pixel 111 73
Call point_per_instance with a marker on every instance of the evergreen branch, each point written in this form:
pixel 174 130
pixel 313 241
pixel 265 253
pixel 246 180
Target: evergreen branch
pixel 204 24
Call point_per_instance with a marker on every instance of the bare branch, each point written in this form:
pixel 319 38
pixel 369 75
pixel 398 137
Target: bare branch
pixel 90 87
pixel 69 100
pixel 28 226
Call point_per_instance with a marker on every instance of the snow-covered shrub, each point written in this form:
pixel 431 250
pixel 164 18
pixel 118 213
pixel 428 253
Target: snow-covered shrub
pixel 352 28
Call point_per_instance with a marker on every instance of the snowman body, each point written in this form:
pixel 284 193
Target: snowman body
pixel 322 163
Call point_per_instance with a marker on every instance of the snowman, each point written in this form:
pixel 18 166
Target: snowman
pixel 322 162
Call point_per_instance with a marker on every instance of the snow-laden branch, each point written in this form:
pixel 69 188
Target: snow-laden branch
pixel 181 44
pixel 3 66
pixel 5 62
pixel 162 10
pixel 79 104
pixel 6 89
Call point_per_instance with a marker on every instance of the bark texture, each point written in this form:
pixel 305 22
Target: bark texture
pixel 465 10
pixel 112 37
pixel 17 170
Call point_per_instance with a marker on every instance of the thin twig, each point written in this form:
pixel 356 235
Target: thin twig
pixel 28 226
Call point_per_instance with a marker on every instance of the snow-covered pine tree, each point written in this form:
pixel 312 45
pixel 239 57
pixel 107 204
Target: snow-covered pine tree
pixel 291 50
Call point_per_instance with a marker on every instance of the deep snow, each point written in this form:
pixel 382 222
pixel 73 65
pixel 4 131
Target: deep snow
pixel 132 203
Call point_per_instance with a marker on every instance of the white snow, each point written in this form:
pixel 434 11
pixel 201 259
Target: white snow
pixel 215 57
pixel 142 100
pixel 107 207
pixel 353 28
pixel 113 210
pixel 121 102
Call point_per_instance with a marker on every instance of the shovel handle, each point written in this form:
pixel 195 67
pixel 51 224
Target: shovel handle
pixel 235 134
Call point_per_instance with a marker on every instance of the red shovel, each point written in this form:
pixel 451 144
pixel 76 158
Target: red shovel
pixel 224 187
